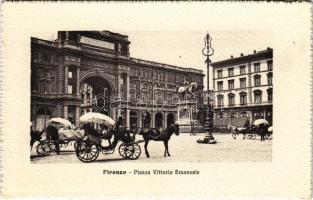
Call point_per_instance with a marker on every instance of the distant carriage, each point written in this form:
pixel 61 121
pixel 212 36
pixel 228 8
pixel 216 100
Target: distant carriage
pixel 67 133
pixel 251 131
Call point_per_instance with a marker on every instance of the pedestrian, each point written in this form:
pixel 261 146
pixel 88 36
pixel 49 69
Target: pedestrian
pixel 52 133
pixel 262 132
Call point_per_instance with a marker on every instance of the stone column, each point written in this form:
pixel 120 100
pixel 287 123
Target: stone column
pixel 139 122
pixel 77 81
pixel 119 85
pixel 127 87
pixel 127 118
pixel 178 113
pixel 65 79
pixel 65 111
pixel 119 111
pixel 77 115
pixel 153 119
pixel 114 114
pixel 90 97
pixel 165 120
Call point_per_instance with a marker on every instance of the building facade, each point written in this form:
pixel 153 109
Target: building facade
pixel 84 71
pixel 243 89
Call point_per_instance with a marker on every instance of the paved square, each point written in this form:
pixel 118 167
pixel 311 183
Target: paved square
pixel 183 148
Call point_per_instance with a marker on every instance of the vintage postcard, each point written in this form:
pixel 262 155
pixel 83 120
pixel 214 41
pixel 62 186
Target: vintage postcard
pixel 194 99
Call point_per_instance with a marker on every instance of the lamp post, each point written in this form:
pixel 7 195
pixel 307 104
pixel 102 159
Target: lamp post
pixel 208 51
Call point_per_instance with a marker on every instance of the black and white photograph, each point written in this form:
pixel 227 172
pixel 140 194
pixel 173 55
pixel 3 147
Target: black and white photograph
pixel 92 101
pixel 156 100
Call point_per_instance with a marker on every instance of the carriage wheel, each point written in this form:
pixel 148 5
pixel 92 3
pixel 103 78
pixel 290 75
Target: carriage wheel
pixel 121 150
pixel 87 152
pixel 134 151
pixel 43 148
pixel 52 147
pixel 130 151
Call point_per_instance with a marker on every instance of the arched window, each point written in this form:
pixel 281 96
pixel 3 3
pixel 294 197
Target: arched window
pixel 243 98
pixel 257 96
pixel 257 80
pixel 231 99
pixel 270 95
pixel 270 78
pixel 220 100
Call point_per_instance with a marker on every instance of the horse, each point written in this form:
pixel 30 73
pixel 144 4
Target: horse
pixel 189 89
pixel 164 136
pixel 243 130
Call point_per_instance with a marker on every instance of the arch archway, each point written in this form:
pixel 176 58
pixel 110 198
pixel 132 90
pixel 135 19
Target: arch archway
pixel 170 119
pixel 96 90
pixel 158 120
pixel 43 115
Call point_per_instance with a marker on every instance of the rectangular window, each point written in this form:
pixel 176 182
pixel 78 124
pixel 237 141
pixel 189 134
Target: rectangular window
pixel 70 74
pixel 270 65
pixel 219 73
pixel 231 84
pixel 242 69
pixel 230 71
pixel 256 67
pixel 220 85
pixel 69 89
pixel 242 82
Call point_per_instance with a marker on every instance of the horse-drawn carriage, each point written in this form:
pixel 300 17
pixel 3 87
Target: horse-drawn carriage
pixel 67 135
pixel 90 147
pixel 253 130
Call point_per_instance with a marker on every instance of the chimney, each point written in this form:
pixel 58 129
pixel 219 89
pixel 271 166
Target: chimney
pixel 268 48
pixel 231 56
pixel 254 51
pixel 241 54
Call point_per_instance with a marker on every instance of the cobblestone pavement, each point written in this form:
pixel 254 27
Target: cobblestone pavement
pixel 183 148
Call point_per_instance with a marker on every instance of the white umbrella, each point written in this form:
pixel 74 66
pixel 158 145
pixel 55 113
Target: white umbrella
pixel 59 120
pixel 260 121
pixel 97 118
pixel 270 129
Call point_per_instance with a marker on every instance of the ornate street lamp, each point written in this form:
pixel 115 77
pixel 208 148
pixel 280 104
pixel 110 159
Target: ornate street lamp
pixel 208 51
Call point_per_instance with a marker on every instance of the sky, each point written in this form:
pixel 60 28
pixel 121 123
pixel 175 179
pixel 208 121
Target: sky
pixel 184 48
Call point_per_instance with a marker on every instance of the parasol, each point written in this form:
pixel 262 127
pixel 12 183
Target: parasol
pixel 260 121
pixel 92 117
pixel 59 120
